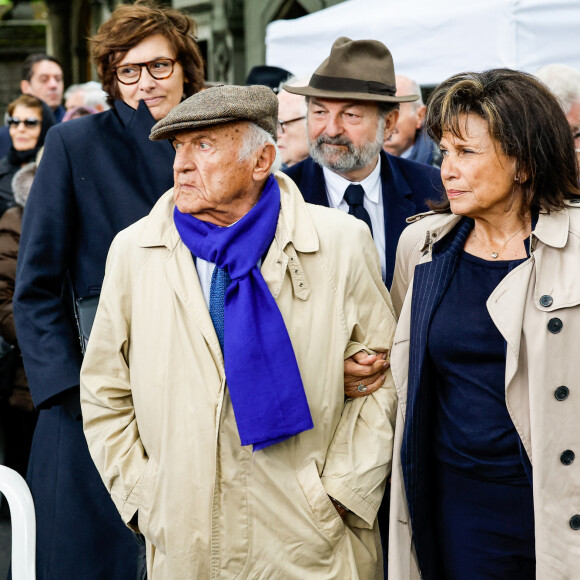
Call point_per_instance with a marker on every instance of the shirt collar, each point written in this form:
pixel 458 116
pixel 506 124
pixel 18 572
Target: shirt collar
pixel 336 184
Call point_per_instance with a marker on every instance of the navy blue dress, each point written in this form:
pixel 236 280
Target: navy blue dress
pixel 484 508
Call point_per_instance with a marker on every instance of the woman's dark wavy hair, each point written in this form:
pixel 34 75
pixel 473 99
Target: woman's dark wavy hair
pixel 527 121
pixel 129 25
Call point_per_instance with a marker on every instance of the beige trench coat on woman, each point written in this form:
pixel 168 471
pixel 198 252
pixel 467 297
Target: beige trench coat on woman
pixel 159 421
pixel 529 300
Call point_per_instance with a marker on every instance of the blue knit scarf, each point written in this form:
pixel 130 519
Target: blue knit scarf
pixel 261 370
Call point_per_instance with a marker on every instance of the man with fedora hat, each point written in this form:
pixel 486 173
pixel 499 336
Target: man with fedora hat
pixel 212 388
pixel 352 107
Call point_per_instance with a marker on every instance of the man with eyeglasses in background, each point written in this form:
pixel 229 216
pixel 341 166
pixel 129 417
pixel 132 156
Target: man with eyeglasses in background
pixel 292 136
pixel 41 78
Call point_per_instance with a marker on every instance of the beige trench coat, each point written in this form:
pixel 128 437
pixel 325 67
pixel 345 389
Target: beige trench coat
pixel 159 421
pixel 544 288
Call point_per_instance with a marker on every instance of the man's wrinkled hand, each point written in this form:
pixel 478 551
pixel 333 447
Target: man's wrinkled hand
pixel 364 374
pixel 340 509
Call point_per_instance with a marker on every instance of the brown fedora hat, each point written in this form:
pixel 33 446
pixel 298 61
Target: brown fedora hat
pixel 356 69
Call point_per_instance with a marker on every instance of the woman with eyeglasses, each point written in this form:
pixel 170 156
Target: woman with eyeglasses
pixel 98 175
pixel 28 121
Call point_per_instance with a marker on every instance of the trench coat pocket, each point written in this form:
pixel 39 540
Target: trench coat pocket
pixel 325 516
pixel 146 506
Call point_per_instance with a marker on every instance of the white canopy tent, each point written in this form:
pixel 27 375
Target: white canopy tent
pixel 432 39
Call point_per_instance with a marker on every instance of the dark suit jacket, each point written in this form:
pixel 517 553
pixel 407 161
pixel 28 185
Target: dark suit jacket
pixel 406 187
pixel 425 150
pixel 98 175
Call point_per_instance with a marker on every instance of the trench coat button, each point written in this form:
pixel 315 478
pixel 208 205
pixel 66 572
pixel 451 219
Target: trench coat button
pixel 575 522
pixel 555 325
pixel 546 300
pixel 561 393
pixel 567 457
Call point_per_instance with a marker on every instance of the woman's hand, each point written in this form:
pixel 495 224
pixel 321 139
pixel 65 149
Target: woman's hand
pixel 364 374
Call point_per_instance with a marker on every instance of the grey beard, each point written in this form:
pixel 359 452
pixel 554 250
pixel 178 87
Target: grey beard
pixel 353 158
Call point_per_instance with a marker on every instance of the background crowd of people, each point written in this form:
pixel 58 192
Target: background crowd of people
pixel 471 199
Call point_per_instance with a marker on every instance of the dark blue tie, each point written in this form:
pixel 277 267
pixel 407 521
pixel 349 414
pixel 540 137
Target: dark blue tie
pixel 354 196
pixel 220 280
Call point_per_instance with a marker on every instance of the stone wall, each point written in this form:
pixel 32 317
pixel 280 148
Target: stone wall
pixel 18 39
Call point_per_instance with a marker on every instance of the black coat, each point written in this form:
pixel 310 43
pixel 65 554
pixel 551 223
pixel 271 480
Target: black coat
pixel 406 188
pixel 7 171
pixel 98 175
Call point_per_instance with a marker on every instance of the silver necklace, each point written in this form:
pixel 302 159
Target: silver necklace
pixel 495 253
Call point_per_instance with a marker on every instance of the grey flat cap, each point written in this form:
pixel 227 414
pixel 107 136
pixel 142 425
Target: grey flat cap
pixel 223 104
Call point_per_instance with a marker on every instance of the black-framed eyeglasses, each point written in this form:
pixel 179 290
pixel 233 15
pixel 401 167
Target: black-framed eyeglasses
pixel 28 123
pixel 281 124
pixel 159 69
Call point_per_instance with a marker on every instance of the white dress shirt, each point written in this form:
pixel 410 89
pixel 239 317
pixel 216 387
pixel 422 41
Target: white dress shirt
pixel 204 271
pixel 373 202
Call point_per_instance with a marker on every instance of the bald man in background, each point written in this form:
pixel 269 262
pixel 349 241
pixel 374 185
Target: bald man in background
pixel 410 140
pixel 292 135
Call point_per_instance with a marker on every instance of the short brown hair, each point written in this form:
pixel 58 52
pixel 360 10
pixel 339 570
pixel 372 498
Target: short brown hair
pixel 129 25
pixel 527 121
pixel 25 101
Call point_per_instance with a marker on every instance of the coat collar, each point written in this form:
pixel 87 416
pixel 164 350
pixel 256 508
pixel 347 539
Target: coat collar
pixel 295 225
pixel 131 117
pixel 551 229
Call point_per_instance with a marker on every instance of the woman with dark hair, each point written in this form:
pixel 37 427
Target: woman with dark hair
pixel 28 121
pixel 487 288
pixel 17 414
pixel 98 175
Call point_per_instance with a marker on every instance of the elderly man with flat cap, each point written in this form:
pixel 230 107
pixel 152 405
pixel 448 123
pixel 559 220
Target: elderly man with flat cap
pixel 212 388
pixel 352 107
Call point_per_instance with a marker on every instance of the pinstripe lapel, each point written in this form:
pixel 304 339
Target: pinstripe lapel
pixel 431 279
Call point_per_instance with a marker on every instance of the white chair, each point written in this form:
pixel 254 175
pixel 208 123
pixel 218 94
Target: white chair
pixel 23 520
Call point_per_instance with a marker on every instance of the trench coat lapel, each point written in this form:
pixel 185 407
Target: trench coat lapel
pixel 182 276
pixel 506 307
pixel 398 205
pixel 160 232
pixel 430 281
